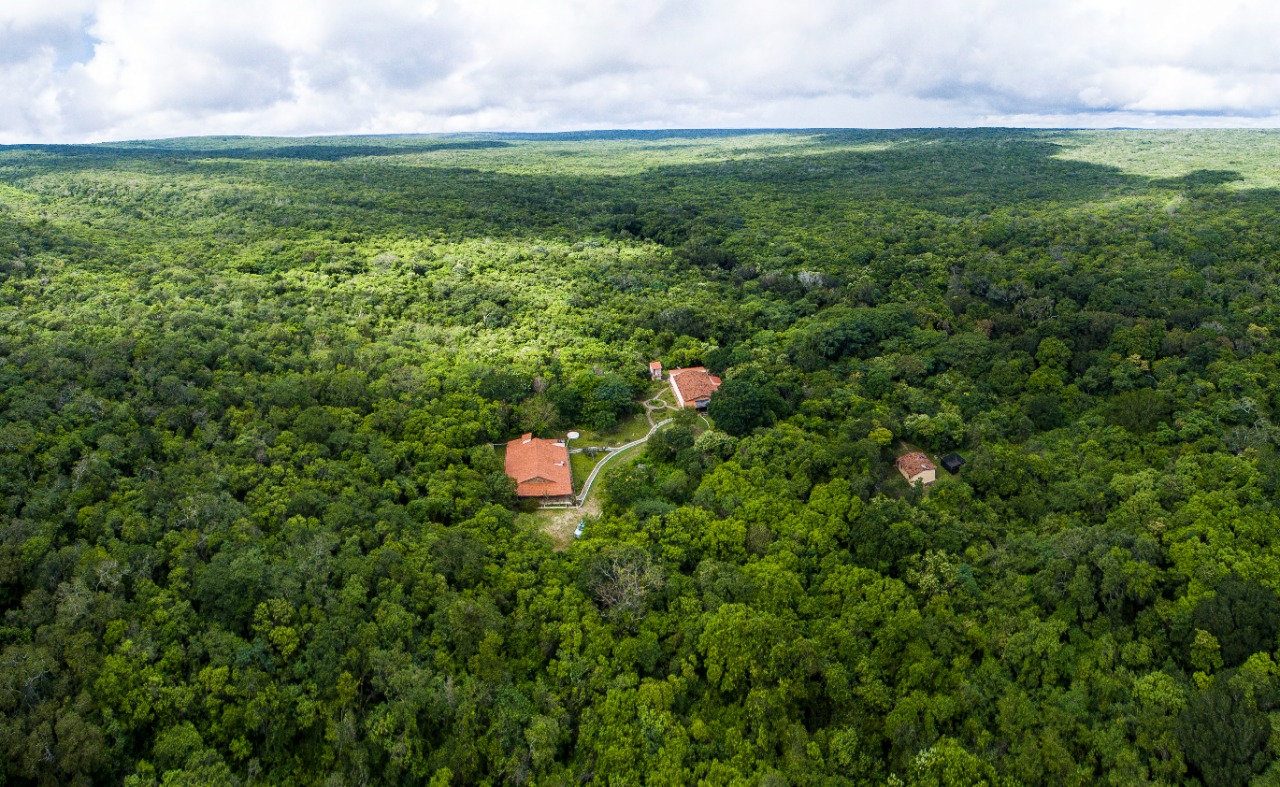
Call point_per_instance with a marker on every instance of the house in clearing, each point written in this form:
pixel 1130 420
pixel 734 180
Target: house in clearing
pixel 693 386
pixel 540 467
pixel 917 467
pixel 655 370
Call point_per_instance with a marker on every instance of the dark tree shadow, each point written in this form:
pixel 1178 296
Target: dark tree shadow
pixel 1199 179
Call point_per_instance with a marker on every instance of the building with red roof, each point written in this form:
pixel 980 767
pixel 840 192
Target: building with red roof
pixel 693 386
pixel 539 466
pixel 917 467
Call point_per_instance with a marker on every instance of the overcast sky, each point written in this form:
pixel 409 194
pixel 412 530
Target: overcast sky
pixel 90 70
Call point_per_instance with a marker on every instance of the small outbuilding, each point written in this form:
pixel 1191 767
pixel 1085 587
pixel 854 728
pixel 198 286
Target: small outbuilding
pixel 540 467
pixel 655 370
pixel 952 462
pixel 693 386
pixel 917 467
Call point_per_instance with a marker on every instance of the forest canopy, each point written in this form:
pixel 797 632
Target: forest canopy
pixel 255 526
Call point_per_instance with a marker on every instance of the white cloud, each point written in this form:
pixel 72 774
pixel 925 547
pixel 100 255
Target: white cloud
pixel 77 70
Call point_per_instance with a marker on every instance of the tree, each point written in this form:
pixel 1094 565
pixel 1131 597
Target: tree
pixel 536 414
pixel 737 644
pixel 713 443
pixel 947 764
pixel 1224 732
pixel 736 408
pixel 1053 353
pixel 1243 616
pixel 621 581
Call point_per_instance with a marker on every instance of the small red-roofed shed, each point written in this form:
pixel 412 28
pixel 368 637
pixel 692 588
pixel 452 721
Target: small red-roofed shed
pixel 917 467
pixel 539 466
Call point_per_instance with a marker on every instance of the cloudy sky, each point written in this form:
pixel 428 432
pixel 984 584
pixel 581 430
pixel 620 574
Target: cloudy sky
pixel 91 70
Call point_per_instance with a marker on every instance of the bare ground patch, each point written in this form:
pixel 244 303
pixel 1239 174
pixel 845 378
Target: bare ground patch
pixel 560 524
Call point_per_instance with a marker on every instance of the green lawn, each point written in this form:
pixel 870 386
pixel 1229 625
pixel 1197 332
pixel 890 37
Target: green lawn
pixel 631 428
pixel 582 465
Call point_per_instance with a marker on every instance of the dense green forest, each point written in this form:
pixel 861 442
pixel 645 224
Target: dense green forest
pixel 253 528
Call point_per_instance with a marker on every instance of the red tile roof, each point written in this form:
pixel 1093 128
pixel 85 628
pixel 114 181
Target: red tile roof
pixel 914 464
pixel 693 384
pixel 539 466
pixel 655 365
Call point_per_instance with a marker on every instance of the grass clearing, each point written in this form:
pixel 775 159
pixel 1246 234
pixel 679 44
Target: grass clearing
pixel 560 523
pixel 582 465
pixel 630 428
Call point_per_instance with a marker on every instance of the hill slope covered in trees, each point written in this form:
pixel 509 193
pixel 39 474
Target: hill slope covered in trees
pixel 253 528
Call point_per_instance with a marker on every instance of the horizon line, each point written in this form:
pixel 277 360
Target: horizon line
pixel 679 131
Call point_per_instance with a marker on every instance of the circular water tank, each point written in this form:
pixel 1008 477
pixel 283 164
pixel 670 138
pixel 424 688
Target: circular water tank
pixel 574 435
